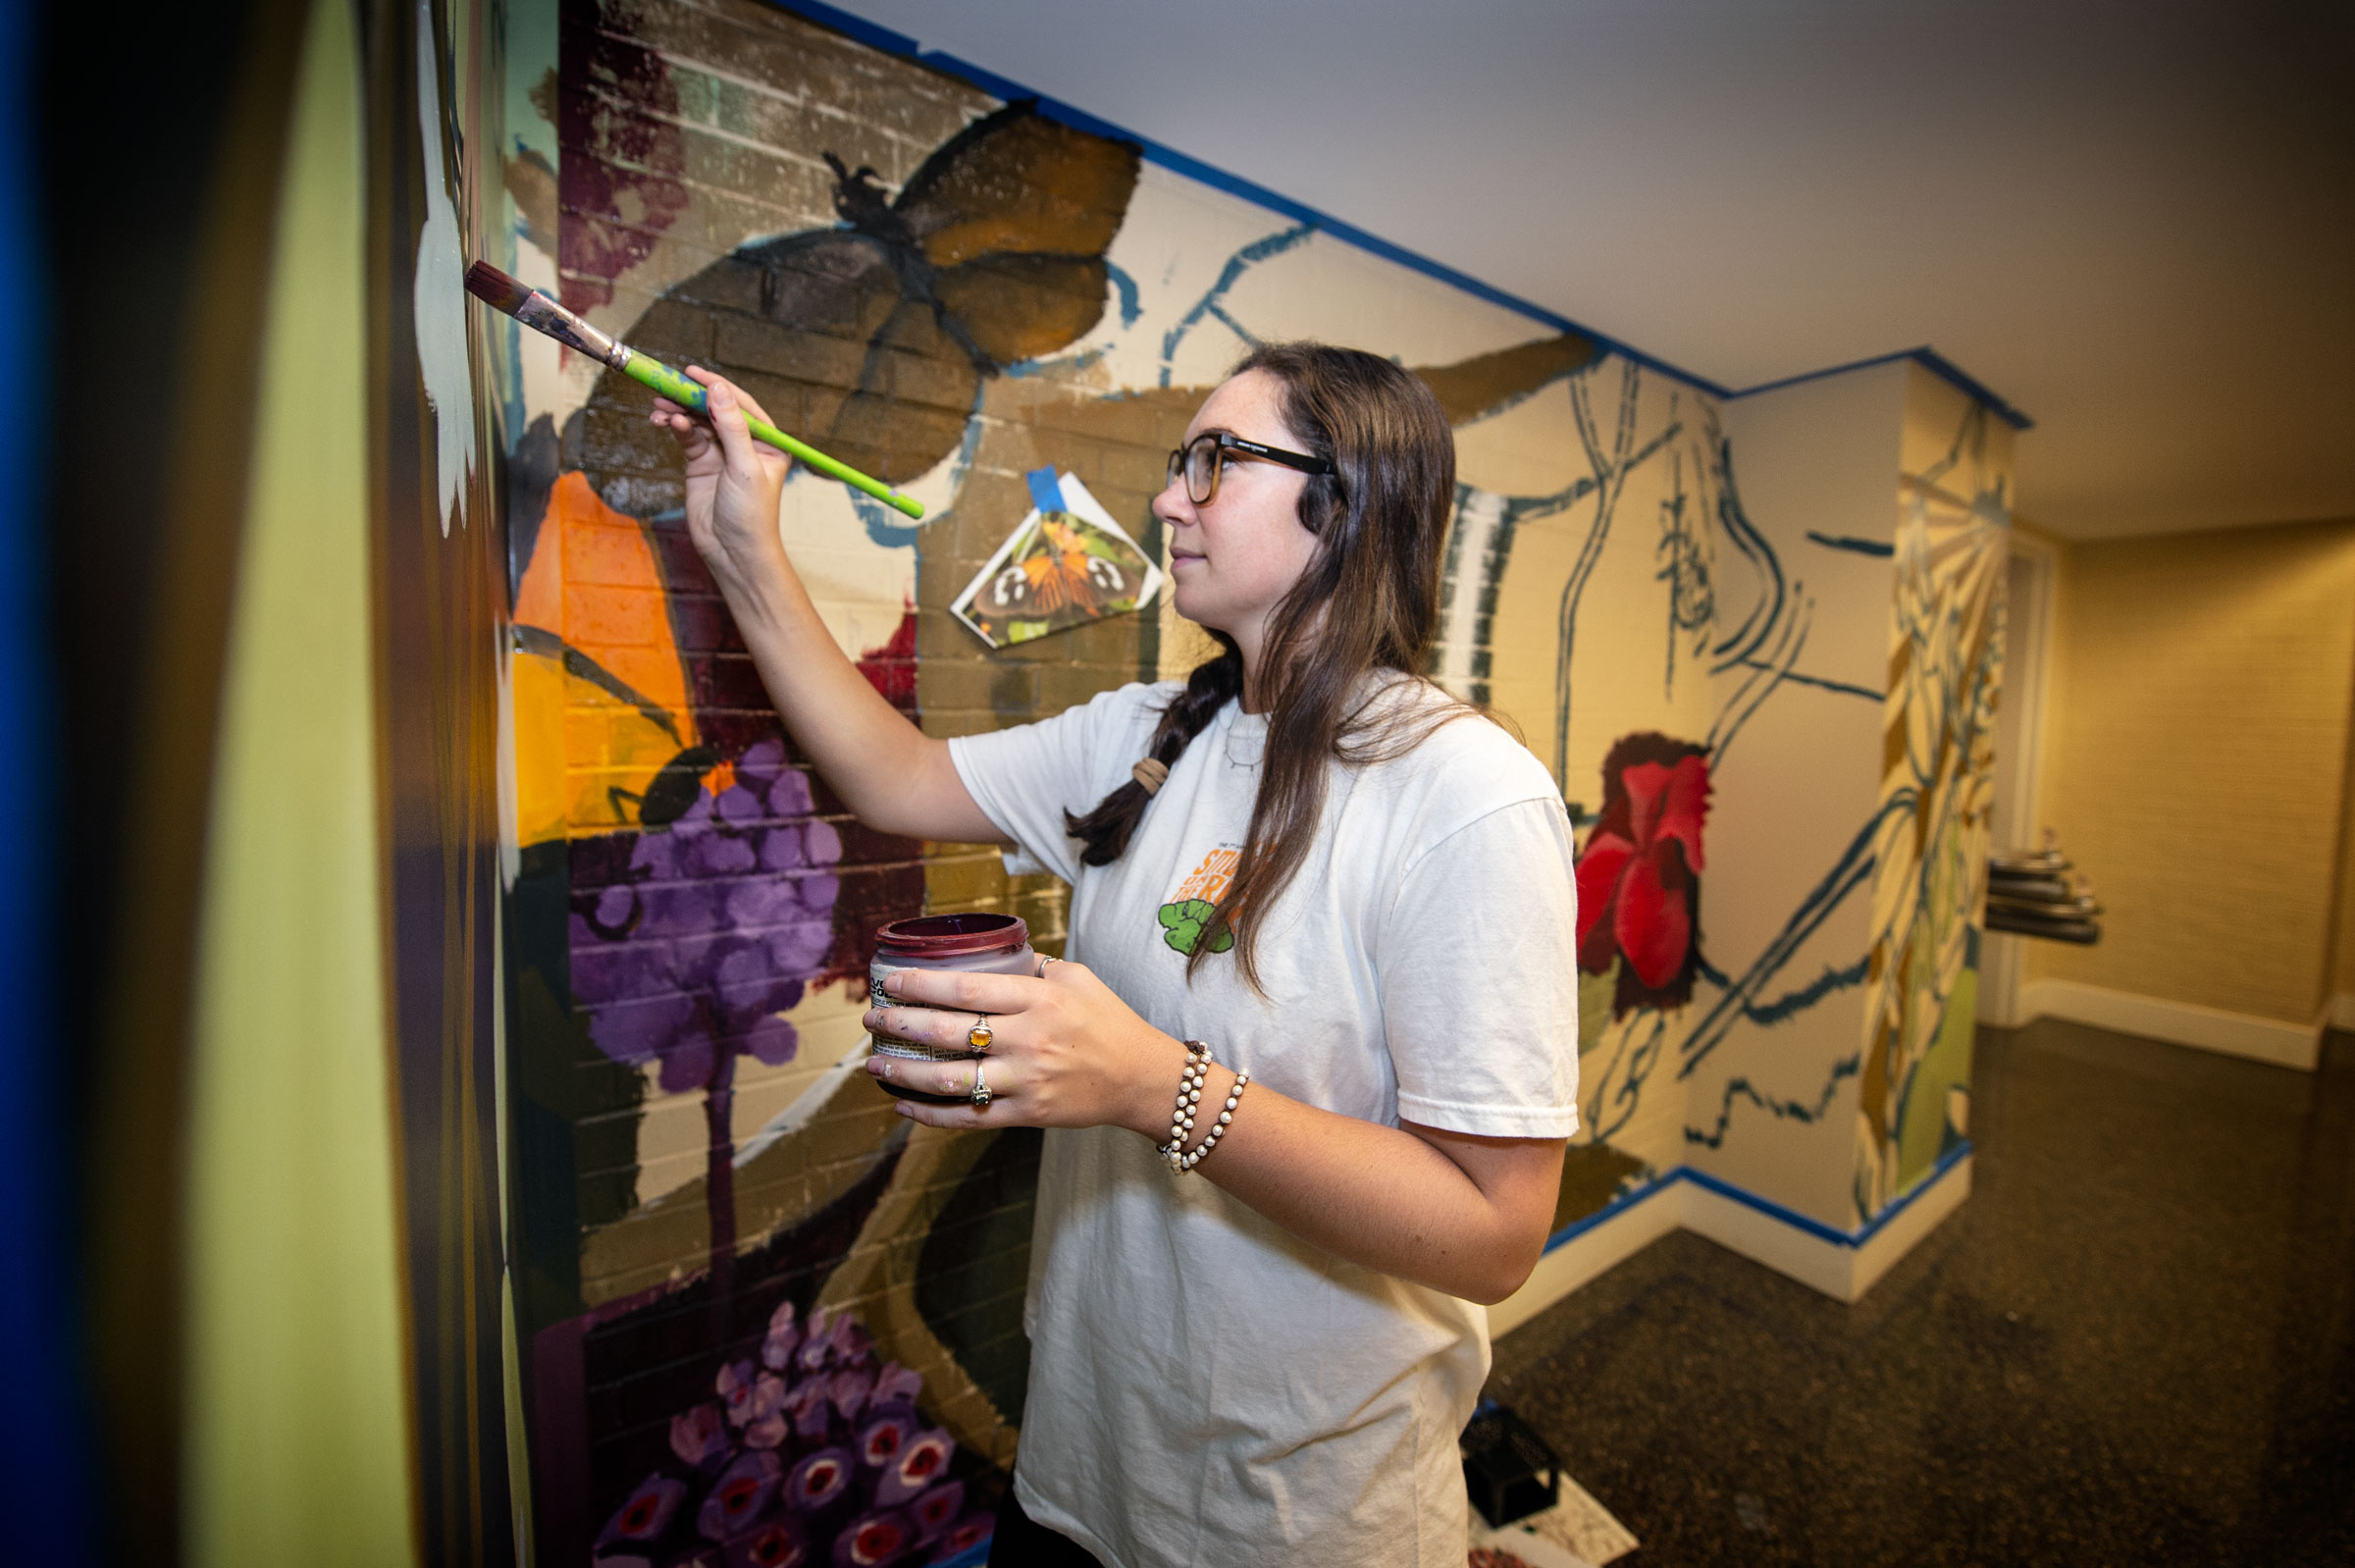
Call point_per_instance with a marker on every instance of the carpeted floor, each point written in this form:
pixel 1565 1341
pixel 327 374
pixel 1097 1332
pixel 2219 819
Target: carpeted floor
pixel 2134 1344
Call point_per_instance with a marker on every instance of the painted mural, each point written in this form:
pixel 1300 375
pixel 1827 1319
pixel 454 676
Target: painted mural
pixel 763 1319
pixel 438 610
pixel 1946 654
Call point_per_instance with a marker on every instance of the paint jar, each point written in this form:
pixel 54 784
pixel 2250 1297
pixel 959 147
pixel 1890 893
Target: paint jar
pixel 972 944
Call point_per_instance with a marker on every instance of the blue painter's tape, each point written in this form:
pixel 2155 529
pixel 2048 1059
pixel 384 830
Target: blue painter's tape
pixel 1937 364
pixel 1767 1206
pixel 871 34
pixel 1907 1200
pixel 990 81
pixel 1930 359
pixel 1046 492
pixel 1610 1211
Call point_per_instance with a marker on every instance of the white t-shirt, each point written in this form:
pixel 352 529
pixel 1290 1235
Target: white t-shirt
pixel 1206 1391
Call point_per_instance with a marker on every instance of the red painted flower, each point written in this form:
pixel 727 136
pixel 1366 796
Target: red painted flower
pixel 818 1479
pixel 879 1537
pixel 965 1535
pixel 882 1437
pixel 645 1513
pixel 1639 880
pixel 938 1509
pixel 776 1545
pixel 922 1458
pixel 739 1495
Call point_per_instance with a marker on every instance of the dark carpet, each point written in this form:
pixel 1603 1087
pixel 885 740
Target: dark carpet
pixel 2134 1344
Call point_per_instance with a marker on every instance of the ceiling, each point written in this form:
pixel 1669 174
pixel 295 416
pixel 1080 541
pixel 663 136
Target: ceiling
pixel 2135 222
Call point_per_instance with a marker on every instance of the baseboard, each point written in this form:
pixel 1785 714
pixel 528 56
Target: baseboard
pixel 2207 1029
pixel 1841 1264
pixel 2342 1011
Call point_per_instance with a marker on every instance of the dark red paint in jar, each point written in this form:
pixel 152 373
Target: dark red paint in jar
pixel 973 944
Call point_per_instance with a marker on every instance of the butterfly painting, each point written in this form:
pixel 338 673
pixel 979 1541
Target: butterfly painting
pixel 871 340
pixel 1068 562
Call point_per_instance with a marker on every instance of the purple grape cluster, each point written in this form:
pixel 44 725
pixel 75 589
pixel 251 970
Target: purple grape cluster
pixel 814 1455
pixel 718 921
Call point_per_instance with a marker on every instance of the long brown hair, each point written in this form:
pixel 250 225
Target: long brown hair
pixel 1367 602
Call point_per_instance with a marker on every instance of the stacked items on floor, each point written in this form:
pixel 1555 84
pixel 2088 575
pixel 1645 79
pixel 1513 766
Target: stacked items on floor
pixel 1525 1513
pixel 2040 893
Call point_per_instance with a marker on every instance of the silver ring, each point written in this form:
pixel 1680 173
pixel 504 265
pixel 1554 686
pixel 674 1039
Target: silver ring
pixel 1043 961
pixel 980 1095
pixel 980 1034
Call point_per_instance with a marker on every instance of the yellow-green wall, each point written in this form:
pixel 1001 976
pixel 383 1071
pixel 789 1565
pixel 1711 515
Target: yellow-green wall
pixel 2196 762
pixel 297 1446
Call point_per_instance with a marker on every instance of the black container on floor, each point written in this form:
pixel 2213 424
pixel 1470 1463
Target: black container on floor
pixel 1509 1470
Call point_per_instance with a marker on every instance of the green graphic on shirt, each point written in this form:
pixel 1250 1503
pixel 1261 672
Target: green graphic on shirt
pixel 1184 922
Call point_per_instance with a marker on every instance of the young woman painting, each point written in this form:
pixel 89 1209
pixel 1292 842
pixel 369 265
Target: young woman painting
pixel 1319 906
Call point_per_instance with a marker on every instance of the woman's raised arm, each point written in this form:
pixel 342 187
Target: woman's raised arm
pixel 892 776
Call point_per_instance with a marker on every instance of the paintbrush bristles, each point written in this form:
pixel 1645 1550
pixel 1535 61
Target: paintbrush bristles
pixel 495 288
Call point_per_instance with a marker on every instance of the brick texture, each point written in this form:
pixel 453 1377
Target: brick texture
pixel 710 882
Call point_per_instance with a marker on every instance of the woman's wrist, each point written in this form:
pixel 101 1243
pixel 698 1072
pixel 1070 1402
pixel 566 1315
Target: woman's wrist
pixel 1147 1111
pixel 756 589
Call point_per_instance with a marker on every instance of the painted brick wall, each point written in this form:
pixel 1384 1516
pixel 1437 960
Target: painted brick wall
pixel 716 904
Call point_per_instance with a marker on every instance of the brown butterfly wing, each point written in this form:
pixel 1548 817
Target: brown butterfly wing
pixel 1015 183
pixel 1015 308
pixel 817 327
pixel 1005 226
pixel 914 392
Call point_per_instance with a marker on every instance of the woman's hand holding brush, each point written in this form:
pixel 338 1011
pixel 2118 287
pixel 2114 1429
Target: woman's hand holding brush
pixel 893 776
pixel 734 484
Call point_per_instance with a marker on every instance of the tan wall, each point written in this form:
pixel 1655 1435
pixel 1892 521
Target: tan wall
pixel 2197 762
pixel 2342 983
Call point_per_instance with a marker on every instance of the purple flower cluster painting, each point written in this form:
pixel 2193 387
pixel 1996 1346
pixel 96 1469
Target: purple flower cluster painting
pixel 810 1454
pixel 725 912
pixel 686 956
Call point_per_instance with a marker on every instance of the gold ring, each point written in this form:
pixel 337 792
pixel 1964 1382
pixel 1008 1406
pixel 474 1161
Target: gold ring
pixel 980 1034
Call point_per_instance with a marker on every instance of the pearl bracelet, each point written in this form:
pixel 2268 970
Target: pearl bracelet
pixel 1190 1100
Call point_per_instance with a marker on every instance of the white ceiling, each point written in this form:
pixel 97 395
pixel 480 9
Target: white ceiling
pixel 2134 222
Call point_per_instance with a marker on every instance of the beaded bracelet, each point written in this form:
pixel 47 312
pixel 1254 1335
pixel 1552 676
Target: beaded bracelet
pixel 1189 1097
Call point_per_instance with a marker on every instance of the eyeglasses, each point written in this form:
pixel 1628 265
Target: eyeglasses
pixel 1200 458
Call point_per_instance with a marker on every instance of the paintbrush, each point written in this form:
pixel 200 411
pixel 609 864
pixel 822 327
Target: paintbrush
pixel 543 314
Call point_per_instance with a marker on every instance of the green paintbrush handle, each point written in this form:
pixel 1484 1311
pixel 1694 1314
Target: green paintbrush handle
pixel 653 373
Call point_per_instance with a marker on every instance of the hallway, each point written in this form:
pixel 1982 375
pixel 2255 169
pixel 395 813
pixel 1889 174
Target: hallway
pixel 2134 1344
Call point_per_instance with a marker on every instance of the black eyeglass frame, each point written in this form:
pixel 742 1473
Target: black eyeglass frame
pixel 1225 441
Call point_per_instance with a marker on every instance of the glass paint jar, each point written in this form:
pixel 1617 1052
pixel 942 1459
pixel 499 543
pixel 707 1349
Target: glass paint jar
pixel 972 944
